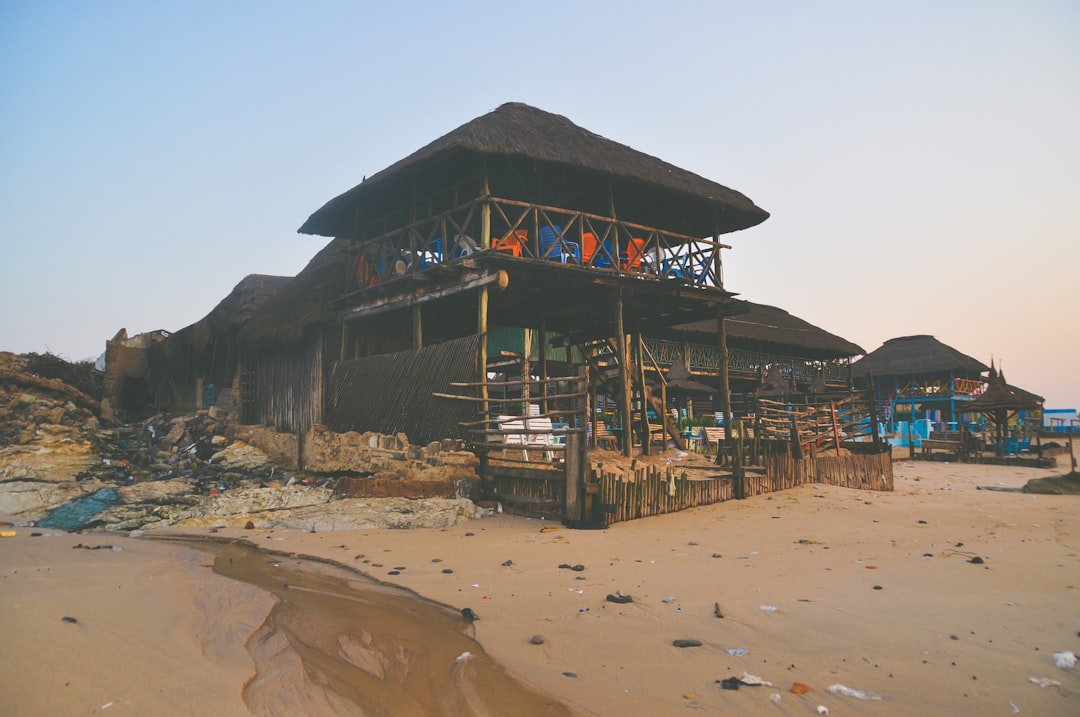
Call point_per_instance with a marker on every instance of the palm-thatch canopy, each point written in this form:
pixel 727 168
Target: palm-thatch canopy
pixel 920 355
pixel 772 330
pixel 233 311
pixel 999 397
pixel 306 300
pixel 531 155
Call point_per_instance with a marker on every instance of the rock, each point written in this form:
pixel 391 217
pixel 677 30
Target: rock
pixel 242 456
pixel 537 640
pixel 469 615
pixel 619 599
pixel 687 643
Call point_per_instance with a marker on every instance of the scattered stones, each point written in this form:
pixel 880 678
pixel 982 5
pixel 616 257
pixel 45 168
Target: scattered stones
pixel 878 587
pixel 469 615
pixel 537 640
pixel 578 568
pixel 717 611
pixel 249 525
pixel 976 560
pixel 570 674
pixel 507 563
pixel 447 571
pixel 687 643
pixel 619 599
pixel 69 619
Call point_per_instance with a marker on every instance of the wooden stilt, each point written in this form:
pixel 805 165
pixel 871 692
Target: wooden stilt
pixel 725 388
pixel 624 378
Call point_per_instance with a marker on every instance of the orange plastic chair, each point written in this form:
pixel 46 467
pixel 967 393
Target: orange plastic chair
pixel 588 246
pixel 591 248
pixel 511 243
pixel 635 251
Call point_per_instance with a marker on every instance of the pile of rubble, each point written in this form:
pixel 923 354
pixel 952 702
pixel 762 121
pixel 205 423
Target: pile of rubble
pixel 62 467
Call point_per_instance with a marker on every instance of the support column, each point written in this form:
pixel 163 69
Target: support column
pixel 417 327
pixel 639 374
pixel 544 407
pixel 624 377
pixel 725 388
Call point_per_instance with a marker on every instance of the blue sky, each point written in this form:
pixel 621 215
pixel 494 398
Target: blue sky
pixel 921 160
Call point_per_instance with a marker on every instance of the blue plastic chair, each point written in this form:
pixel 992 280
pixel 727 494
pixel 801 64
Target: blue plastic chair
pixel 552 235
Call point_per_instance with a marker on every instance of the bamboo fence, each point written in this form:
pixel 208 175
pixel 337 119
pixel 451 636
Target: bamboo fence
pixel 653 491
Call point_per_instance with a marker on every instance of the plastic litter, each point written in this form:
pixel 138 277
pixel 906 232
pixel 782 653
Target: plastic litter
pixel 753 680
pixel 1015 709
pixel 775 698
pixel 849 692
pixel 736 651
pixel 822 710
pixel 1065 660
pixel 464 656
pixel 669 600
pixel 1044 682
pixel 769 608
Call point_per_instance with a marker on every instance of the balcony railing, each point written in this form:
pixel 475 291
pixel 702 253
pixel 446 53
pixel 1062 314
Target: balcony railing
pixel 540 233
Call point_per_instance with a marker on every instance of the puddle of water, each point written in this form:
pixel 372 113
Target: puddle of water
pixel 74 516
pixel 337 642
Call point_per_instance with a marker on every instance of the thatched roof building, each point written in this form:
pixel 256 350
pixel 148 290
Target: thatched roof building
pixel 920 355
pixel 305 301
pixel 583 171
pixel 773 330
pixel 232 312
pixel 206 352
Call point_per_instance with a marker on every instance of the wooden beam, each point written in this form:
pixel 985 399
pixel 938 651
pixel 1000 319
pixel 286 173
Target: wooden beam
pixel 384 305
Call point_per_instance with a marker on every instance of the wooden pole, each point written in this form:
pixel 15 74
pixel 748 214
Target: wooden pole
pixel 725 388
pixel 624 377
pixel 871 398
pixel 835 428
pixel 639 359
pixel 417 327
pixel 544 365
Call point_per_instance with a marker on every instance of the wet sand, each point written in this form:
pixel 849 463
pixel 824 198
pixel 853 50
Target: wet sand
pixel 339 643
pixel 877 592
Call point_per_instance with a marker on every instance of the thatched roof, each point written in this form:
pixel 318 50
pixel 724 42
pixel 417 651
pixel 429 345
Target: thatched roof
pixel 1001 398
pixel 304 301
pixel 920 355
pixel 233 311
pixel 773 330
pixel 647 189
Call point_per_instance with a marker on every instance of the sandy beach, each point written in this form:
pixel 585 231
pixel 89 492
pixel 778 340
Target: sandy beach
pixel 823 586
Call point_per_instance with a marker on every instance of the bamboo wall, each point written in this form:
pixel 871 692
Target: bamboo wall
pixel 652 491
pixel 392 393
pixel 285 386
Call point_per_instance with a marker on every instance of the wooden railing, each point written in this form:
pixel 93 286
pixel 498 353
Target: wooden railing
pixel 536 232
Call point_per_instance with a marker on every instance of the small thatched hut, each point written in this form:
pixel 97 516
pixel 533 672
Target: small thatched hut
pixel 920 377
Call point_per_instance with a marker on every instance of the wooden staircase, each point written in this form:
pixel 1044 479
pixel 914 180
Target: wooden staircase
pixel 602 356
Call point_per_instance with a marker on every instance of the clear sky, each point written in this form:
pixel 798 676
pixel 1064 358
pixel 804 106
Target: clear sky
pixel 921 159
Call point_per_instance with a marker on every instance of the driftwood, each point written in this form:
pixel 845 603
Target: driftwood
pixel 53 385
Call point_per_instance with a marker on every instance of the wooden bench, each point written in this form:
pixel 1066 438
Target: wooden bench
pixel 929 445
pixel 710 435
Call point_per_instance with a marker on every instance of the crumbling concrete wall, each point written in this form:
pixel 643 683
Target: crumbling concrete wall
pixel 374 465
